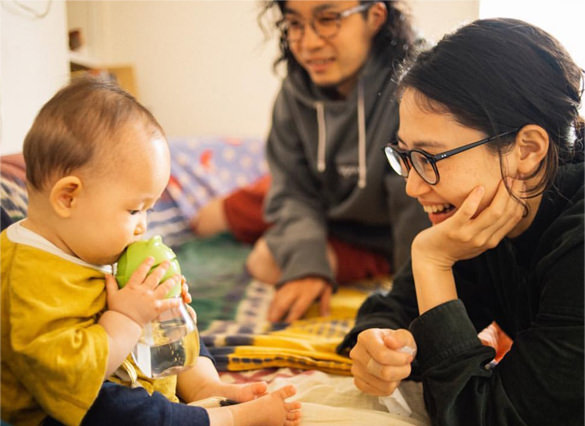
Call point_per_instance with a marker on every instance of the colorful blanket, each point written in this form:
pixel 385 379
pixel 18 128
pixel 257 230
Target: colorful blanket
pixel 214 269
pixel 13 195
pixel 231 309
pixel 251 342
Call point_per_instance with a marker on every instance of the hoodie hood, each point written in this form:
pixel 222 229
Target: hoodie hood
pixel 371 80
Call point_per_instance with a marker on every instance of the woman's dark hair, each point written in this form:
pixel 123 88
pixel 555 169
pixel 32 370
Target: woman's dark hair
pixel 497 75
pixel 396 36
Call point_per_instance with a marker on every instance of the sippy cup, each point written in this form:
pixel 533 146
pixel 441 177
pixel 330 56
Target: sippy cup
pixel 170 343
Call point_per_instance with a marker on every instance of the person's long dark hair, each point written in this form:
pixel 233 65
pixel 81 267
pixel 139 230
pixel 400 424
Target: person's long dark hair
pixel 396 37
pixel 497 75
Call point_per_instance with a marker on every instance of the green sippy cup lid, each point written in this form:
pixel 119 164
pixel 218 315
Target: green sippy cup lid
pixel 135 254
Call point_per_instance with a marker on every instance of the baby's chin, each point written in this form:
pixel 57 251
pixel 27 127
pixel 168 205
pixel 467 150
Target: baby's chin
pixel 104 261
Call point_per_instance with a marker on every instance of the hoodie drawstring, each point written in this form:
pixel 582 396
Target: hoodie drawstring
pixel 322 136
pixel 361 136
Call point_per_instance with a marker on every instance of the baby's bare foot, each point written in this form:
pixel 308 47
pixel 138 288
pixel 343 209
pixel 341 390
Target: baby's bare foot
pixel 268 410
pixel 243 392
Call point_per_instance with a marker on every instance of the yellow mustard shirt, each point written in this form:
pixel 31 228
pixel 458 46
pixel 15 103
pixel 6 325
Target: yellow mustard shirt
pixel 54 354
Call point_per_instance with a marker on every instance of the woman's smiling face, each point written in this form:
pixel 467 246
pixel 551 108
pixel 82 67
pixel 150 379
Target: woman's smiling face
pixel 436 132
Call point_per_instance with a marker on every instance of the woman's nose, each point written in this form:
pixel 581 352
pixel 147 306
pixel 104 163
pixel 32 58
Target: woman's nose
pixel 415 185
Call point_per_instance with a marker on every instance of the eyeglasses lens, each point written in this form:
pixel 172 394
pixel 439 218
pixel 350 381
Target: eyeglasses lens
pixel 326 26
pixel 396 162
pixel 424 167
pixel 293 29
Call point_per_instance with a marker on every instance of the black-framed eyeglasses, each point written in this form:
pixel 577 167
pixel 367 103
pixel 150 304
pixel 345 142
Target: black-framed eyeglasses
pixel 325 24
pixel 424 163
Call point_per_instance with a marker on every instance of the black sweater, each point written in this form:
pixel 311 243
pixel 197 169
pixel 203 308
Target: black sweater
pixel 532 286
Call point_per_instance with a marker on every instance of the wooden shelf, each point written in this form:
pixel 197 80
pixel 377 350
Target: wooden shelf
pixel 123 74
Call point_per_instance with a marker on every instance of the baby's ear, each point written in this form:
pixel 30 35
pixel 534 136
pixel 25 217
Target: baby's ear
pixel 64 195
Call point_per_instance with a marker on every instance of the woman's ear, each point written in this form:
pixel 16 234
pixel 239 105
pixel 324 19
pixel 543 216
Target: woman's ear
pixel 532 143
pixel 64 194
pixel 377 16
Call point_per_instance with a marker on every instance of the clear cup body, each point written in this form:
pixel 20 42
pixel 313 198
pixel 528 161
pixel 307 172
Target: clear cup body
pixel 168 345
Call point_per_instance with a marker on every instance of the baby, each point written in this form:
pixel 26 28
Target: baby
pixel 96 162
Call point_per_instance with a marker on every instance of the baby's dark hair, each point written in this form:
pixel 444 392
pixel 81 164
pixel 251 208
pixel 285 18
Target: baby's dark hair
pixel 71 128
pixel 498 75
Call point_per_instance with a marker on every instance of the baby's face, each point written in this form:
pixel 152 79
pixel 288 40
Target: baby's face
pixel 112 208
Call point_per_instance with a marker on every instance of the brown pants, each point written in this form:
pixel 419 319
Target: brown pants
pixel 244 214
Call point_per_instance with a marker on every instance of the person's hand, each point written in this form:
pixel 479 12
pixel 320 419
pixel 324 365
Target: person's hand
pixel 142 299
pixel 495 337
pixel 186 296
pixel 467 234
pixel 295 297
pixel 382 359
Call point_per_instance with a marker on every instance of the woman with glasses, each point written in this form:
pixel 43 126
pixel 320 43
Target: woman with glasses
pixel 491 145
pixel 336 211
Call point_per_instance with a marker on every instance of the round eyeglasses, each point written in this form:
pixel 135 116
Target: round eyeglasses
pixel 424 163
pixel 325 24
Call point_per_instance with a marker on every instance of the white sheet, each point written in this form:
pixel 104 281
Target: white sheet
pixel 334 400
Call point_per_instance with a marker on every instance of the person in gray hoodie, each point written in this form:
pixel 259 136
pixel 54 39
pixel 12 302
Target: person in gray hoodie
pixel 329 178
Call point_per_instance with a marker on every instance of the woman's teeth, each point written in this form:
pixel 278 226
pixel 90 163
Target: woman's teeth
pixel 437 208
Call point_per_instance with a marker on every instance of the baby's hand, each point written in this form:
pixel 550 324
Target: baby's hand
pixel 142 299
pixel 185 295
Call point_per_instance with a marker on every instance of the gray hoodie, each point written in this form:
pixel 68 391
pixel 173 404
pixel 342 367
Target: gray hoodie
pixel 330 175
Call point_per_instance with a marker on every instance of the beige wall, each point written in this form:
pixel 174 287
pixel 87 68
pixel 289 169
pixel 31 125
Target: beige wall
pixel 564 21
pixel 33 64
pixel 433 18
pixel 203 67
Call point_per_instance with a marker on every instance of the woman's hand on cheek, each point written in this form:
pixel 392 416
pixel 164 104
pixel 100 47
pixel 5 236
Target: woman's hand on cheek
pixel 470 232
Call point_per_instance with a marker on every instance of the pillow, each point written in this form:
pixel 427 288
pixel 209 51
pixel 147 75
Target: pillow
pixel 13 195
pixel 205 168
pixel 202 169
